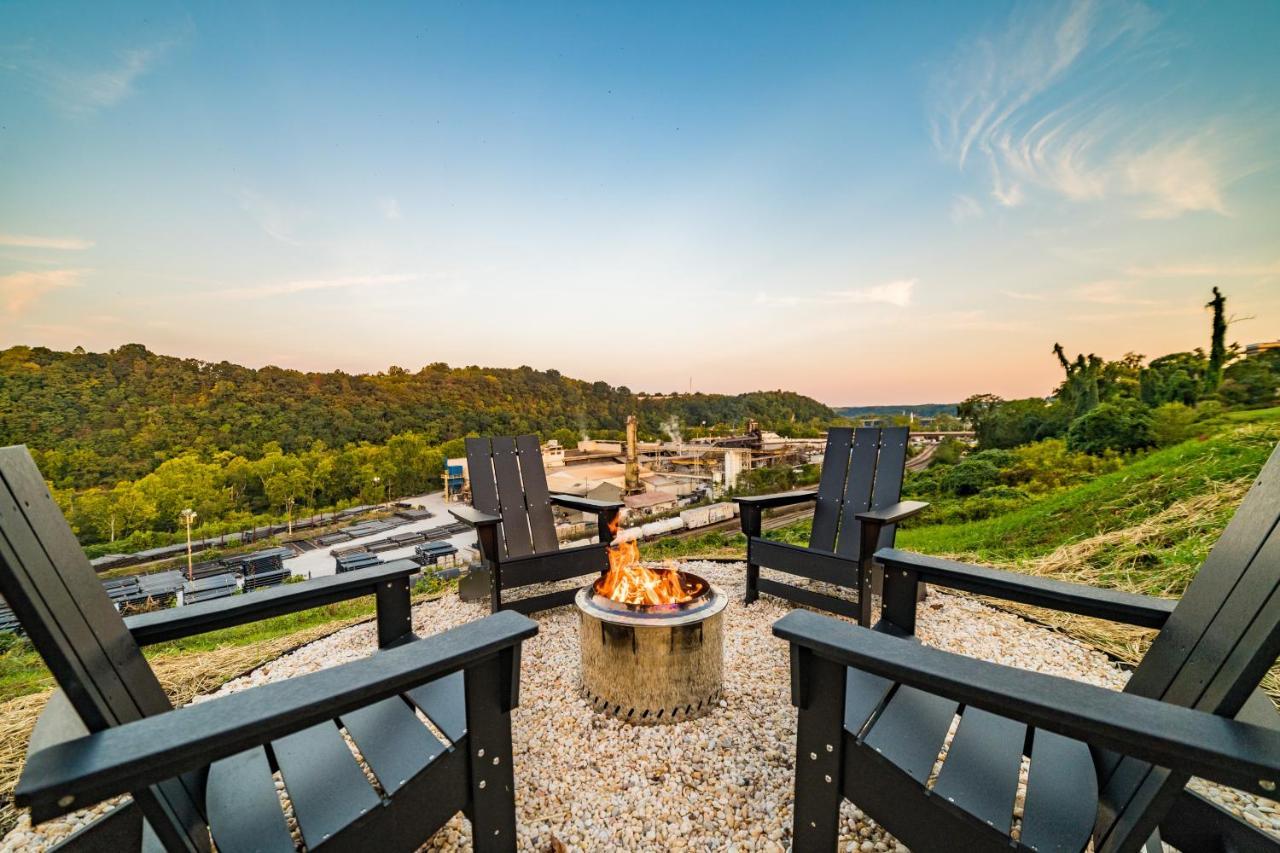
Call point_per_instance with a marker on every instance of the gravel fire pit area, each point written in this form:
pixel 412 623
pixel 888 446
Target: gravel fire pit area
pixel 722 781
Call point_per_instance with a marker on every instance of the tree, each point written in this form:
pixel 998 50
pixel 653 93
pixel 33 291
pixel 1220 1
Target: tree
pixel 1122 426
pixel 1218 345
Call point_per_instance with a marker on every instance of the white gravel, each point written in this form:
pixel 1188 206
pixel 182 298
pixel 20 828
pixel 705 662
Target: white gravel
pixel 723 781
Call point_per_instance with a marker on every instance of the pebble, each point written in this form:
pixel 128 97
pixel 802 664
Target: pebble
pixel 720 782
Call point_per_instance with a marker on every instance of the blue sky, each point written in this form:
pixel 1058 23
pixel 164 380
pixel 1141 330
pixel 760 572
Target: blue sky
pixel 865 203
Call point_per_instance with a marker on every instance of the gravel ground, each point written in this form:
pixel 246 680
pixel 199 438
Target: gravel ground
pixel 723 781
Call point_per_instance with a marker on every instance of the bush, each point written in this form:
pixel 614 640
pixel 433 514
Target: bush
pixel 1120 426
pixel 1048 465
pixel 1172 423
pixel 970 476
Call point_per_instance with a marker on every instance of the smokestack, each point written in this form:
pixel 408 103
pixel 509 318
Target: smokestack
pixel 632 483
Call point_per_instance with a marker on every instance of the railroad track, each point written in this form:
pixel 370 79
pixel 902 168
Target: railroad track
pixel 770 522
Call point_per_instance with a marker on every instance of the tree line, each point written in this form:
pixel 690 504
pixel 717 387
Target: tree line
pixel 129 438
pixel 1129 404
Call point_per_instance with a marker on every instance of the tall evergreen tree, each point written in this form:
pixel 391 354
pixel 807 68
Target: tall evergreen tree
pixel 1218 348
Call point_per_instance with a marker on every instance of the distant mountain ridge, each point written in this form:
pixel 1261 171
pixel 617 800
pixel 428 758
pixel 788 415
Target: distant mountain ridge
pixel 104 417
pixel 923 410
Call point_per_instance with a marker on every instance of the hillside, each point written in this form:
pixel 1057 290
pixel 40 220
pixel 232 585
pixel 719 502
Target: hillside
pixel 106 417
pixel 921 410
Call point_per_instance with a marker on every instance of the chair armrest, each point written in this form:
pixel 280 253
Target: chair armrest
pixel 1182 739
pixel 474 517
pixel 1116 606
pixel 585 504
pixel 89 769
pixel 779 499
pixel 893 514
pixel 177 622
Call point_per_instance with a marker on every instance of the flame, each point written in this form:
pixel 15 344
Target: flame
pixel 628 582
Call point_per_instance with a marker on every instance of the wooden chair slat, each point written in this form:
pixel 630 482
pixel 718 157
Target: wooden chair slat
pixel 72 621
pixel 864 693
pixel 1205 597
pixel 980 773
pixel 542 523
pixel 515 514
pixel 484 487
pixel 68 616
pixel 911 729
pixel 1062 791
pixel 890 469
pixel 835 467
pixel 445 704
pixel 856 496
pixel 244 811
pixel 325 784
pixel 394 742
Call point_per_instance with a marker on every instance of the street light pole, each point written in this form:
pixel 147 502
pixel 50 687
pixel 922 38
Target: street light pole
pixel 189 515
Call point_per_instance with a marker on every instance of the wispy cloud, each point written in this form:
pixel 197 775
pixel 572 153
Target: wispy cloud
pixel 29 241
pixel 964 208
pixel 1048 103
pixel 1110 292
pixel 20 290
pixel 80 90
pixel 389 208
pixel 897 293
pixel 280 221
pixel 1205 270
pixel 286 288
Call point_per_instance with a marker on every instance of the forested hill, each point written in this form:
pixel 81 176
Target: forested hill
pixel 104 417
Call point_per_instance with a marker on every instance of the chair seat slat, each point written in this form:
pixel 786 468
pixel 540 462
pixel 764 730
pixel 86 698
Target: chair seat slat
pixel 244 811
pixel 863 695
pixel 328 789
pixel 394 742
pixel 980 773
pixel 445 704
pixel 911 729
pixel 1062 794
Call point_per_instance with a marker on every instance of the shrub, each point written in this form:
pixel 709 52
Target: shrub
pixel 1121 426
pixel 1172 423
pixel 970 476
pixel 1048 465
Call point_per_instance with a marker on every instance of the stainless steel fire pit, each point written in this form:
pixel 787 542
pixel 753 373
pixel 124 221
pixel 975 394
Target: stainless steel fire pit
pixel 653 663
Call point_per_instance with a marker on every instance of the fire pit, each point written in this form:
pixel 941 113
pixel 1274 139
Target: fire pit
pixel 652 641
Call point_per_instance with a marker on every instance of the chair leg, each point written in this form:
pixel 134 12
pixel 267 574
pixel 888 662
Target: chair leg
pixel 753 584
pixel 492 777
pixel 495 586
pixel 819 750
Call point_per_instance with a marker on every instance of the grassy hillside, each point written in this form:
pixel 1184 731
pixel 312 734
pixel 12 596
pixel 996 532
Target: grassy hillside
pixel 1143 528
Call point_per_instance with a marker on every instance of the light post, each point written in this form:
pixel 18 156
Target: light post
pixel 188 516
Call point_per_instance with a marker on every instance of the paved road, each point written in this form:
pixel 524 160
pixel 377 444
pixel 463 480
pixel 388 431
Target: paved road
pixel 318 563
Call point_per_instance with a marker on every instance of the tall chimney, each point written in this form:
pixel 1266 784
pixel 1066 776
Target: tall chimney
pixel 632 483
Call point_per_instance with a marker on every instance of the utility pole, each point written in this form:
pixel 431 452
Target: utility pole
pixel 189 515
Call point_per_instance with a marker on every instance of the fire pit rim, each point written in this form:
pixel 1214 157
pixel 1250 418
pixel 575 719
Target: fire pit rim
pixel 708 603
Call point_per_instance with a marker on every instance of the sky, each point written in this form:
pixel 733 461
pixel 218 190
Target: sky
pixel 866 203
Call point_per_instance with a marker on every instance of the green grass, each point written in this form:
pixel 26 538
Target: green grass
pixel 1120 499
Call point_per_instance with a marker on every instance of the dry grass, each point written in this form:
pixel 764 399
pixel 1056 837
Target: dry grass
pixel 1120 559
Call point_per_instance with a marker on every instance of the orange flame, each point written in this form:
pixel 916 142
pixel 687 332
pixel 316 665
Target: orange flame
pixel 628 582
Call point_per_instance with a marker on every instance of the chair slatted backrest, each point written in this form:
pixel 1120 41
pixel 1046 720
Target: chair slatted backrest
pixel 1210 655
pixel 862 469
pixel 70 619
pixel 508 480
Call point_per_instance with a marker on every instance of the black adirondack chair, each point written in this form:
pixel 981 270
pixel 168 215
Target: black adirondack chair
pixel 1105 766
pixel 511 511
pixel 202 775
pixel 857 510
